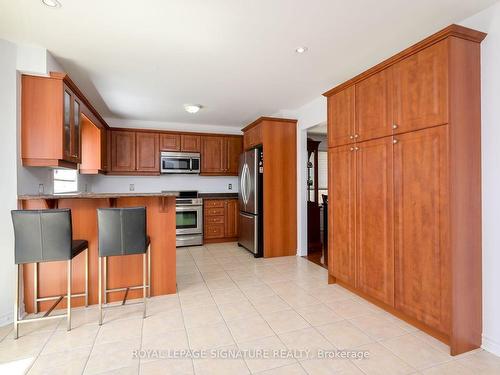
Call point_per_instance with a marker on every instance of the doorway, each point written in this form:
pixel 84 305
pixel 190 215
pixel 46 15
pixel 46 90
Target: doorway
pixel 317 195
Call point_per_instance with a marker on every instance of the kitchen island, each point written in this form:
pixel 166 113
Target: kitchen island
pixel 122 271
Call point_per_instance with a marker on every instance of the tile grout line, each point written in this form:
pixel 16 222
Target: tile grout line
pixel 218 309
pixel 43 347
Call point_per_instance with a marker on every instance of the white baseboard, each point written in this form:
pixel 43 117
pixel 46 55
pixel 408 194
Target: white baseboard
pixel 491 345
pixel 6 318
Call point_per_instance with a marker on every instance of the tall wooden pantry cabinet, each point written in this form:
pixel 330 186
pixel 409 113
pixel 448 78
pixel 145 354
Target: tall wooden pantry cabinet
pixel 405 186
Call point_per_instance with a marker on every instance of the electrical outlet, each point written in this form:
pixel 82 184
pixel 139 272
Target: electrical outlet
pixel 131 187
pixel 230 186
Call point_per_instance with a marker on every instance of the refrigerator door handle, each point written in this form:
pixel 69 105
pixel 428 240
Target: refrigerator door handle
pixel 243 184
pixel 247 184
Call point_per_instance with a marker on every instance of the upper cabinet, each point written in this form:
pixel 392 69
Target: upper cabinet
pixel 51 123
pixel 252 137
pixel 220 154
pixel 190 143
pixel 373 106
pixel 341 129
pixel 170 142
pixel 421 89
pixel 55 119
pixel 135 152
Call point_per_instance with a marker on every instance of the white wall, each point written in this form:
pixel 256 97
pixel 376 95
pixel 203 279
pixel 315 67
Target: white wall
pixel 8 95
pixel 144 184
pixel 489 22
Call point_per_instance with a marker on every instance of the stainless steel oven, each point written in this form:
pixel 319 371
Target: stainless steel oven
pixel 189 219
pixel 180 162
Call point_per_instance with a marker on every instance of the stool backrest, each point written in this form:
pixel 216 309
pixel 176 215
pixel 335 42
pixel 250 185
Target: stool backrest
pixel 42 235
pixel 122 231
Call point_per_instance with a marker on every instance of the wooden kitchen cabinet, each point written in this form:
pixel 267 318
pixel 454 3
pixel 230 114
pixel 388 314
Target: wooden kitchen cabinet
pixel 341 219
pixel 231 213
pixel 50 121
pixel 341 129
pixel 252 137
pixel 170 142
pixel 94 148
pixel 190 143
pixel 421 89
pixel 147 152
pixel 220 220
pixel 422 259
pixel 123 151
pixel 417 193
pixel 220 154
pixel 374 219
pixel 374 106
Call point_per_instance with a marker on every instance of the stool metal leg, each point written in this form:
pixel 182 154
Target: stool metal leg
pixel 69 296
pixel 87 277
pixel 16 304
pixel 105 279
pixel 99 261
pixel 35 288
pixel 144 283
pixel 149 271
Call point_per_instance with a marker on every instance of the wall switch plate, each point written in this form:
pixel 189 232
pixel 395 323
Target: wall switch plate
pixel 131 187
pixel 230 186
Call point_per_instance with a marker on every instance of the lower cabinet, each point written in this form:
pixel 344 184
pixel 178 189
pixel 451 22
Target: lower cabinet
pixel 220 220
pixel 389 222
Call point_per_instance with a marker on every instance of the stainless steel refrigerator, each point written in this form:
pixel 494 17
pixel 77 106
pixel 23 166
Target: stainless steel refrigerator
pixel 250 200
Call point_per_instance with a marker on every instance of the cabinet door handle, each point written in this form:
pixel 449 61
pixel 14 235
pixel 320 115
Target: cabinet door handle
pixel 351 137
pixel 352 148
pixel 356 135
pixel 356 148
pixel 394 141
pixel 395 126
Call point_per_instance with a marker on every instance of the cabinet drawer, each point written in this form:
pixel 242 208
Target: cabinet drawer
pixel 214 203
pixel 214 220
pixel 214 231
pixel 218 211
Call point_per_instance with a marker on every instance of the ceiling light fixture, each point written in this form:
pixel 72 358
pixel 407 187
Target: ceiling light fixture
pixel 192 108
pixel 52 3
pixel 301 49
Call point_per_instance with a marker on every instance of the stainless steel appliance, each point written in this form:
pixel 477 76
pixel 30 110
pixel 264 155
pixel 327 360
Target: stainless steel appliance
pixel 250 201
pixel 189 219
pixel 180 162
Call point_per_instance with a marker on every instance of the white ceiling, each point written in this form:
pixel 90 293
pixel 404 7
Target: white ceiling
pixel 144 59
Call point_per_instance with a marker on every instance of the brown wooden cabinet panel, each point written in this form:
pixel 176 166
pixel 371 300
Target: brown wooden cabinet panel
pixel 123 148
pixel 252 137
pixel 231 218
pixel 214 231
pixel 374 106
pixel 190 143
pixel 421 89
pixel 234 148
pixel 422 261
pixel 375 219
pixel 147 153
pixel 341 220
pixel 341 117
pixel 170 142
pixel 213 159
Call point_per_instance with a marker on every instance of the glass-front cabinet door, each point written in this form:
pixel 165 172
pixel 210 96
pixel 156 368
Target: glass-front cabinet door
pixel 67 125
pixel 75 144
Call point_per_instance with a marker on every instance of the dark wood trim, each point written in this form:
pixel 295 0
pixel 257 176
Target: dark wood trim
pixel 56 163
pixel 452 30
pixel 264 118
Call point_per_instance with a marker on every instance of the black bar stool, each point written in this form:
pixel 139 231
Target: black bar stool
pixel 122 231
pixel 46 236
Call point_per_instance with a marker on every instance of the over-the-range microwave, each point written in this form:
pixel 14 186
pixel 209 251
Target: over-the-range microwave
pixel 180 162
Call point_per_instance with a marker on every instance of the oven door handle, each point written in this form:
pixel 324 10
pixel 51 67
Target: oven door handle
pixel 196 208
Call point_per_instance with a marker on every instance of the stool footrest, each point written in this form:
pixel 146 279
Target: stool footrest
pixel 125 288
pixel 28 320
pixel 42 299
pixel 53 306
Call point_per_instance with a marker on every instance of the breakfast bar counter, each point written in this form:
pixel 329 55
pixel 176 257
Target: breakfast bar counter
pixel 122 271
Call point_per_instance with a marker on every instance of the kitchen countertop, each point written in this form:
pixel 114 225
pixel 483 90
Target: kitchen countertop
pixel 97 195
pixel 218 195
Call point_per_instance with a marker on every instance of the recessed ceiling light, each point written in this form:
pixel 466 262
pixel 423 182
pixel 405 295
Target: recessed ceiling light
pixel 192 108
pixel 52 3
pixel 301 49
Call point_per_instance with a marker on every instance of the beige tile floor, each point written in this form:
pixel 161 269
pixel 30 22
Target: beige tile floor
pixel 229 301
